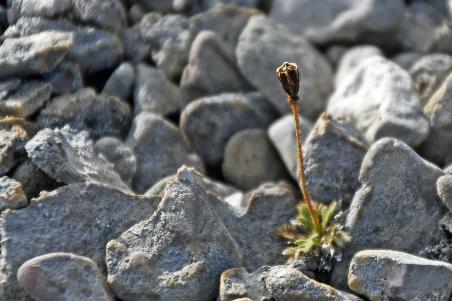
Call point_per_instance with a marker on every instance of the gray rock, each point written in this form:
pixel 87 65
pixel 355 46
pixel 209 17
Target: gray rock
pixel 439 112
pixel 352 58
pixel 121 81
pixel 250 159
pixel 37 8
pixel 11 194
pixel 106 14
pixel 100 114
pixel 120 155
pixel 170 37
pixel 208 123
pixel 25 99
pixel 66 78
pixel 276 283
pixel 339 20
pixel 157 5
pixel 33 179
pixel 333 156
pixel 154 92
pixel 444 187
pixel 68 157
pixel 398 190
pixel 136 13
pixel 392 275
pixel 335 53
pixel 407 59
pixel 63 276
pixel 210 70
pixel 428 73
pixel 136 49
pixel 282 135
pixel 77 218
pixel 263 46
pixel 160 149
pixel 377 98
pixel 185 227
pixel 35 54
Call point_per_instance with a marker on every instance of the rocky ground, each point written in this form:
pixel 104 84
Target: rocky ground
pixel 147 151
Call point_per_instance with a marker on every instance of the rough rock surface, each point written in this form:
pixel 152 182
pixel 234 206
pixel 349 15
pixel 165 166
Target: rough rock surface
pixel 66 78
pixel 276 283
pixel 398 191
pixel 208 123
pixel 250 159
pixel 160 149
pixel 41 8
pixel 392 275
pixel 77 218
pixel 444 188
pixel 106 14
pixel 260 51
pixel 11 194
pixel 33 179
pixel 63 276
pixel 103 115
pixel 141 263
pixel 378 99
pixel 68 156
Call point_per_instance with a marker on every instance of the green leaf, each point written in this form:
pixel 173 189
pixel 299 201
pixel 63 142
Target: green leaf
pixel 304 217
pixel 328 214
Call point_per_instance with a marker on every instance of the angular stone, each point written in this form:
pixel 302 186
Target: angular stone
pixel 63 276
pixel 66 78
pixel 100 114
pixel 68 157
pixel 398 191
pixel 121 81
pixel 208 123
pixel 35 54
pixel 428 73
pixel 25 99
pixel 154 92
pixel 339 20
pixel 77 218
pixel 260 51
pixel 333 155
pixel 37 8
pixel 439 112
pixel 33 179
pixel 210 70
pixel 185 227
pixel 120 155
pixel 160 149
pixel 276 283
pixel 282 135
pixel 392 275
pixel 11 194
pixel 106 14
pixel 377 98
pixel 250 159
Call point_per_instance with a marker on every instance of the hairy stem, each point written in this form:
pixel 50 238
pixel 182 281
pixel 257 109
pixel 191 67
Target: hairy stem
pixel 301 171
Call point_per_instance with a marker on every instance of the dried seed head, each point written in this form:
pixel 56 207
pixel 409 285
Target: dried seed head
pixel 289 77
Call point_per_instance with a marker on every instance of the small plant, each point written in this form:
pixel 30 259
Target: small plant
pixel 314 229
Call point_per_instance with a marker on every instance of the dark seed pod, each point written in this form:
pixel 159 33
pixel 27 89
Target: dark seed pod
pixel 289 77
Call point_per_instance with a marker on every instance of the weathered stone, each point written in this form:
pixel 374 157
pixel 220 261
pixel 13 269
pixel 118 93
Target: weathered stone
pixel 154 92
pixel 339 20
pixel 444 187
pixel 100 114
pixel 77 218
pixel 398 191
pixel 208 123
pixel 11 194
pixel 428 73
pixel 25 99
pixel 377 98
pixel 282 135
pixel 136 49
pixel 352 58
pixel 250 159
pixel 106 14
pixel 121 82
pixel 66 78
pixel 276 283
pixel 136 13
pixel 141 262
pixel 210 70
pixel 407 59
pixel 63 276
pixel 68 157
pixel 392 275
pixel 37 8
pixel 333 156
pixel 263 45
pixel 120 155
pixel 35 54
pixel 160 149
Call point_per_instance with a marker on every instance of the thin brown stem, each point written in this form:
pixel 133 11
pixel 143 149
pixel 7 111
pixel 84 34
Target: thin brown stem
pixel 301 170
